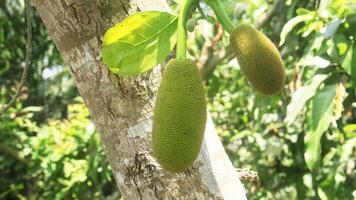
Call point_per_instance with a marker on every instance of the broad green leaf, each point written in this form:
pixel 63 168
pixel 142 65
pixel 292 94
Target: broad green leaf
pixel 301 96
pixel 140 42
pixel 292 23
pixel 349 62
pixel 320 119
pixel 340 45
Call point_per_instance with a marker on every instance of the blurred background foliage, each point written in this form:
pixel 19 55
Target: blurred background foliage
pixel 302 142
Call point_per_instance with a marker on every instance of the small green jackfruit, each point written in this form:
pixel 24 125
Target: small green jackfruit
pixel 191 23
pixel 179 116
pixel 259 59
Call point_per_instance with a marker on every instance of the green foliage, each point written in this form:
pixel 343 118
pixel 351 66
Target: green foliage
pixel 140 42
pixel 46 139
pixel 57 160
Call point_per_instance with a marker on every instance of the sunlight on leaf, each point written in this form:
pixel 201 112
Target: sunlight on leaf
pixel 314 61
pixel 350 130
pixel 140 42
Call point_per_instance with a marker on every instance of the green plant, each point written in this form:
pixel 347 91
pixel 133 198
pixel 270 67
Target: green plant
pixel 57 160
pixel 263 133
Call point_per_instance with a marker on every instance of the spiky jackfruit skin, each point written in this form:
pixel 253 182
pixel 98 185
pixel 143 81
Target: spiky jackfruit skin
pixel 179 116
pixel 259 59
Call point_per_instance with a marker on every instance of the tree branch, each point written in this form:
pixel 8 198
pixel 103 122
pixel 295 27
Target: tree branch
pixel 207 53
pixel 14 153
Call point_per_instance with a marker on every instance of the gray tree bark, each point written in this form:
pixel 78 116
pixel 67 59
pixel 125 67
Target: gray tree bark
pixel 122 107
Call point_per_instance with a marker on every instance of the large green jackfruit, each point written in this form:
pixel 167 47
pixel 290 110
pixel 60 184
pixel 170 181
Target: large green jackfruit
pixel 179 116
pixel 259 59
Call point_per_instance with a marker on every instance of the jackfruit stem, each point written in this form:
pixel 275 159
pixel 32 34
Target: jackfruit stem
pixel 220 13
pixel 181 29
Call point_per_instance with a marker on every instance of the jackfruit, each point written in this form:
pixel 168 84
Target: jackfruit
pixel 259 59
pixel 179 116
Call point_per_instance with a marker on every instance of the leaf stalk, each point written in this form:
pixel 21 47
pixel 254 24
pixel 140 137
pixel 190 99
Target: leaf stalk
pixel 181 30
pixel 220 13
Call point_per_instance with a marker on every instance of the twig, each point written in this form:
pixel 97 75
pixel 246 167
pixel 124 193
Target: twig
pixel 297 79
pixel 27 59
pixel 208 51
pixel 14 153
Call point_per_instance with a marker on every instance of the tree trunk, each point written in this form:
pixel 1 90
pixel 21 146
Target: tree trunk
pixel 122 107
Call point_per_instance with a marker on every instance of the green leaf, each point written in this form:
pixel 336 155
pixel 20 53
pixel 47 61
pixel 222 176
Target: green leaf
pixel 140 42
pixel 338 47
pixel 322 195
pixel 301 96
pixel 348 61
pixel 320 119
pixel 316 46
pixel 292 23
